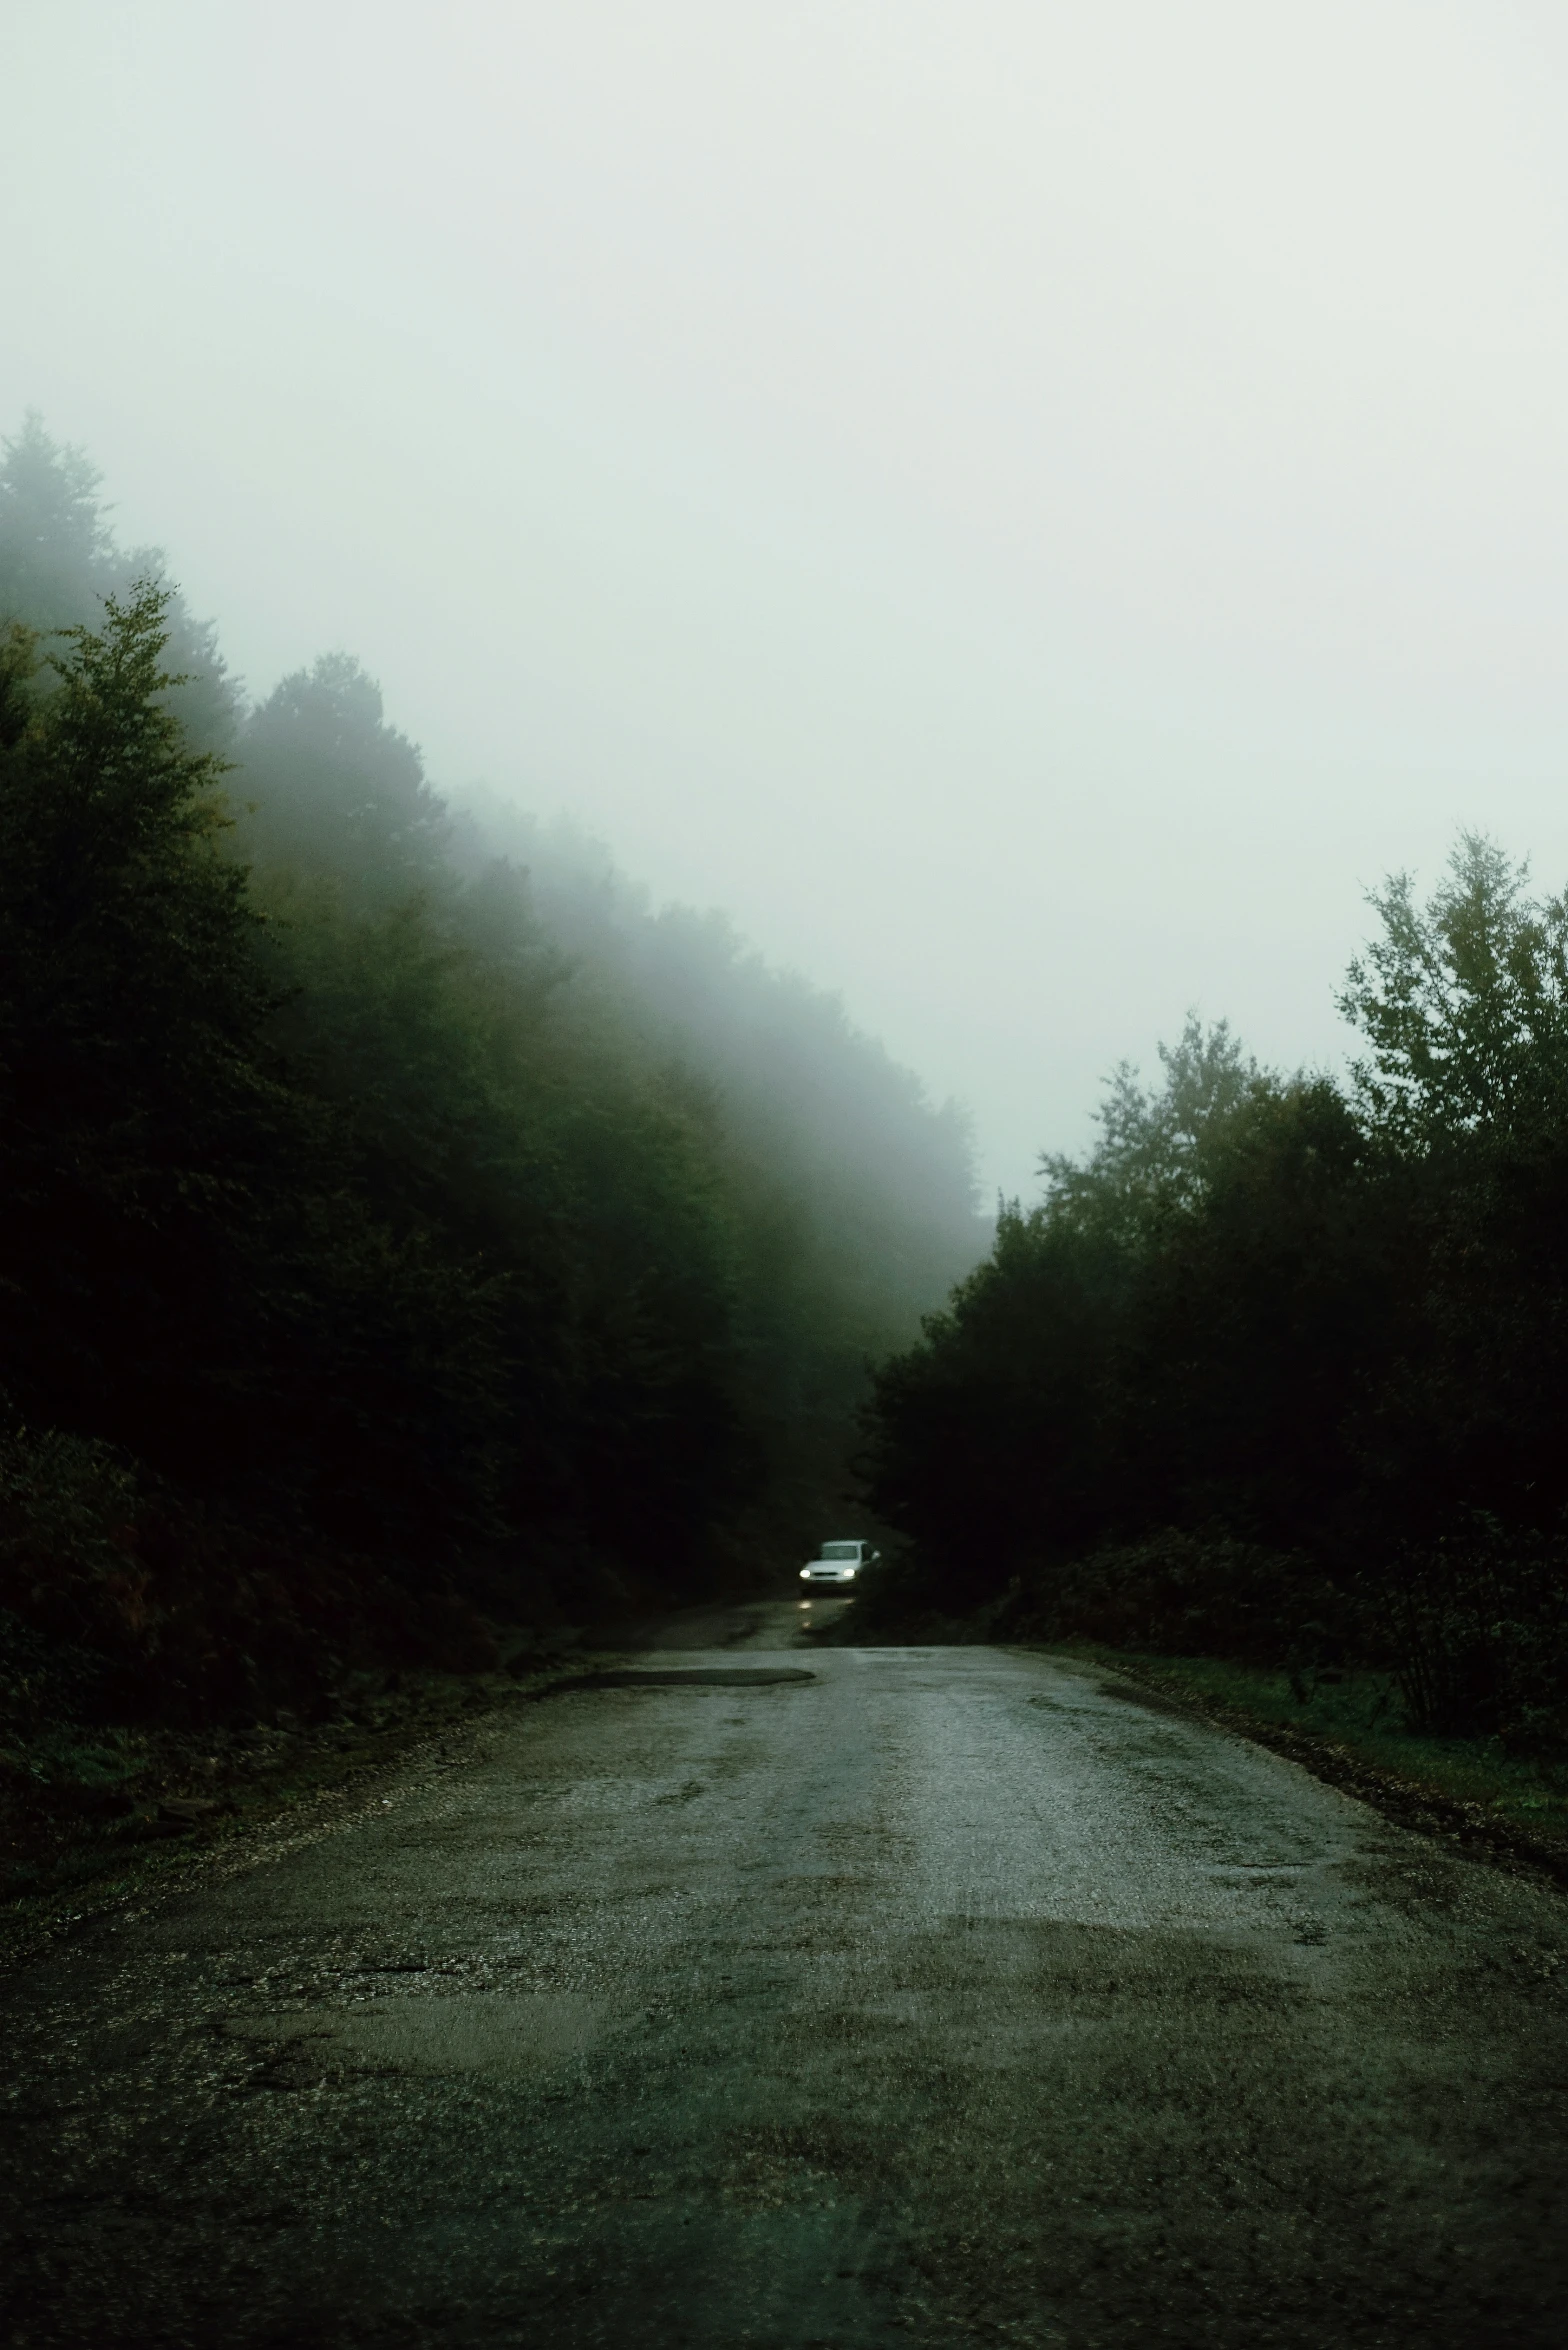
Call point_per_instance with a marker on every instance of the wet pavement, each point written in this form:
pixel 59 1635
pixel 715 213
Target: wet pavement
pixel 940 1996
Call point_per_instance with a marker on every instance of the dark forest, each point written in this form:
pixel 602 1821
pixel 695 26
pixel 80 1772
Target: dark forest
pixel 407 1231
pixel 1278 1370
pixel 412 1233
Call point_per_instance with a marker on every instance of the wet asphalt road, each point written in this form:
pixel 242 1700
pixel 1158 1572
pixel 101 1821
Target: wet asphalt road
pixel 950 1995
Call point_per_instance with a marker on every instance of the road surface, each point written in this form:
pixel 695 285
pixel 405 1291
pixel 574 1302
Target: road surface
pixel 944 1996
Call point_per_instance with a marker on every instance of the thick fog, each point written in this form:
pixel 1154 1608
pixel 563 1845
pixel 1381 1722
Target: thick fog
pixel 1030 508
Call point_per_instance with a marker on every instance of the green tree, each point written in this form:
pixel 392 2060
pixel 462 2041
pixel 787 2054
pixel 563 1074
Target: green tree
pixel 380 1204
pixel 338 791
pixel 59 560
pixel 131 1008
pixel 56 547
pixel 1464 1004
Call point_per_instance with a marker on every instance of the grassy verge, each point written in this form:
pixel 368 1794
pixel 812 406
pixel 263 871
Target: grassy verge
pixel 1350 1731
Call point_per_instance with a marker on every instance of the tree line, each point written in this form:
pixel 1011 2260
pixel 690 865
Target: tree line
pixel 406 1229
pixel 1279 1368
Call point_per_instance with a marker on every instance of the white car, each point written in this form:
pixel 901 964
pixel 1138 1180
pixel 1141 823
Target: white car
pixel 839 1564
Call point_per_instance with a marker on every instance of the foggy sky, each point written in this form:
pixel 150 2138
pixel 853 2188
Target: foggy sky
pixel 1030 507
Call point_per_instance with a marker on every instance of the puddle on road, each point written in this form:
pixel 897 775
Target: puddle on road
pixel 1150 1701
pixel 701 1677
pixel 480 2033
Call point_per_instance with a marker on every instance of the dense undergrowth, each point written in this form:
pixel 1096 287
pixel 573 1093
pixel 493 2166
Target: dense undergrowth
pixel 406 1234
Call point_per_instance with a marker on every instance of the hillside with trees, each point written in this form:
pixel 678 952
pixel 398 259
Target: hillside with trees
pixel 1279 1370
pixel 408 1231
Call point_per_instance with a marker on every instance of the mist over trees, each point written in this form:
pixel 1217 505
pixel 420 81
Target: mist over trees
pixel 1280 1367
pixel 407 1228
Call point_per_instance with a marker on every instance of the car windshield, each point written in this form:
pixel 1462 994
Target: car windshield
pixel 841 1550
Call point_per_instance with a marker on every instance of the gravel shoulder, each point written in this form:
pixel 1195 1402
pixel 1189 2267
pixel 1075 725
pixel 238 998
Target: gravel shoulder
pixel 947 1994
pixel 1412 1795
pixel 98 1820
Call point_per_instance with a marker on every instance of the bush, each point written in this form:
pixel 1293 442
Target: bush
pixel 1475 1630
pixel 166 1610
pixel 1185 1594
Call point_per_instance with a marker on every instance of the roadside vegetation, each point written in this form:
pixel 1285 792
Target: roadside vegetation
pixel 1276 1375
pixel 112 1809
pixel 413 1245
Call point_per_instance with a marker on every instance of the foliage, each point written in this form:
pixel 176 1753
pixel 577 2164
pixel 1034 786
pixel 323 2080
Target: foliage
pixel 335 789
pixel 419 1242
pixel 1273 1352
pixel 139 1114
pixel 58 560
pixel 1475 1625
pixel 1464 1003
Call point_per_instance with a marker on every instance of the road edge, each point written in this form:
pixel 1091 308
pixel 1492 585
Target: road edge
pixel 1410 1803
